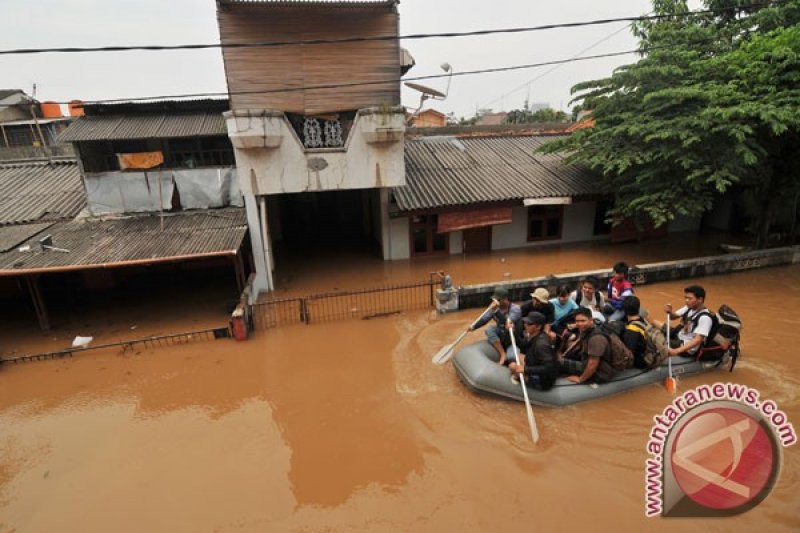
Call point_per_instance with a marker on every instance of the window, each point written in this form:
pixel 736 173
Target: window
pixel 424 238
pixel 545 222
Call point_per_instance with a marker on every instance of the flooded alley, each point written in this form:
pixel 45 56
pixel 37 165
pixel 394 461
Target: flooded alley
pixel 349 427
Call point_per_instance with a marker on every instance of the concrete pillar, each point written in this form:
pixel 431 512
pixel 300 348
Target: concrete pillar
pixel 261 281
pixel 386 236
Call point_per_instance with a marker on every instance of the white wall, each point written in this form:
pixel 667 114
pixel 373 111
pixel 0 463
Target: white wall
pixel 457 242
pixel 272 160
pixel 399 246
pixel 578 226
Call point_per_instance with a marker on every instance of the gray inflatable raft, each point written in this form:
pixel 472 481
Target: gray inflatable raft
pixel 476 365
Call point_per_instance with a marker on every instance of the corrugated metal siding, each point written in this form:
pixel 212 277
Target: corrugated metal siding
pixel 163 125
pixel 32 192
pixel 256 71
pixel 446 172
pixel 94 243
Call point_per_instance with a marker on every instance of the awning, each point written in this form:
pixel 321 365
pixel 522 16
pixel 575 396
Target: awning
pixel 474 218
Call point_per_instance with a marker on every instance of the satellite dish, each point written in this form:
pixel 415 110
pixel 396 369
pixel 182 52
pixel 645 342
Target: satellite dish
pixel 426 91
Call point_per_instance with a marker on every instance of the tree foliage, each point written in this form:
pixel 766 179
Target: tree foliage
pixel 525 116
pixel 713 102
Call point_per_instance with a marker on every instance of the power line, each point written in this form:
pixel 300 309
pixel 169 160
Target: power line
pixel 417 36
pixel 388 81
pixel 556 67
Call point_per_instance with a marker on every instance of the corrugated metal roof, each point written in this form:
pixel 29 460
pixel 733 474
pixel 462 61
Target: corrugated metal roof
pixel 11 236
pixel 450 171
pixel 145 126
pixel 35 192
pixel 138 240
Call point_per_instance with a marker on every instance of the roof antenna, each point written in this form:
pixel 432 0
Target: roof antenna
pixel 429 93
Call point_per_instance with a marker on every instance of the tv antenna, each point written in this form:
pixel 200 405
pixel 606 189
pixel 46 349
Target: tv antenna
pixel 429 93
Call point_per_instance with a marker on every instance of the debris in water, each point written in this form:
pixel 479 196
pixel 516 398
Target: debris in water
pixel 81 342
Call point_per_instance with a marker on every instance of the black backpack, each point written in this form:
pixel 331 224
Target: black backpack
pixel 723 337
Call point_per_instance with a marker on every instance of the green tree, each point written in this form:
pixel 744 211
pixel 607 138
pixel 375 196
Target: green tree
pixel 524 116
pixel 712 103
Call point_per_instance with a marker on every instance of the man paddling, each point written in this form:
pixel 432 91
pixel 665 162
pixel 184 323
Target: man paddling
pixel 501 311
pixel 537 359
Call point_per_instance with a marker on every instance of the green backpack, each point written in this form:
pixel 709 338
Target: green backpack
pixel 655 342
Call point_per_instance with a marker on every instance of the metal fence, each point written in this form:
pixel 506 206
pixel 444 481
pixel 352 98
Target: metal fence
pixel 356 304
pixel 125 346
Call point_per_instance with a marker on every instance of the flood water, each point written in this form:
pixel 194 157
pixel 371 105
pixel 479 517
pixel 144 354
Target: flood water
pixel 349 427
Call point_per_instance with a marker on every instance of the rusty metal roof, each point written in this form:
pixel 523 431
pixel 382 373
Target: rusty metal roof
pixel 131 241
pixel 450 171
pixel 145 126
pixel 40 191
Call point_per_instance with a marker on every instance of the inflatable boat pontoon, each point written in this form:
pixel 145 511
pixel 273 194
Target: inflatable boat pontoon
pixel 476 365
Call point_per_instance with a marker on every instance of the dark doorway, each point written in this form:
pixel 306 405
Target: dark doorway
pixel 329 220
pixel 477 239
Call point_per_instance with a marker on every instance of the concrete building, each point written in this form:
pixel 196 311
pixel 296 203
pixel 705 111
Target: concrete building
pixel 317 129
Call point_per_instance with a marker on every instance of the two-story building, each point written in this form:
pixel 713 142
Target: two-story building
pixel 315 121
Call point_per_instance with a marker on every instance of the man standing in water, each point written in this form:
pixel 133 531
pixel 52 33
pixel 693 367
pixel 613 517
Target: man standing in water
pixel 502 310
pixel 589 357
pixel 696 321
pixel 537 359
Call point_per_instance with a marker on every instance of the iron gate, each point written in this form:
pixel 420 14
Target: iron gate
pixel 341 305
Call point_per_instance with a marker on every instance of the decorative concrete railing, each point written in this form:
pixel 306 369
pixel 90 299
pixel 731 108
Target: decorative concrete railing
pixel 471 296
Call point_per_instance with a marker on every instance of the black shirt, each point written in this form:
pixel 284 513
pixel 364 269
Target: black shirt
pixel 548 310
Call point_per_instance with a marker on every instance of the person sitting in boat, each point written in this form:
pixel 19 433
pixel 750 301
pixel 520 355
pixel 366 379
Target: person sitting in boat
pixel 588 358
pixel 537 359
pixel 588 295
pixel 563 305
pixel 634 336
pixel 540 303
pixel 696 321
pixel 502 310
pixel 619 288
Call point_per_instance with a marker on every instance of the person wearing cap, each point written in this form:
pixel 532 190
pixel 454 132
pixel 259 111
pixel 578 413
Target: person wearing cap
pixel 540 302
pixel 501 312
pixel 537 359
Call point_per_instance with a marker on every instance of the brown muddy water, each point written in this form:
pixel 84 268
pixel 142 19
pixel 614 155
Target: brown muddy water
pixel 349 427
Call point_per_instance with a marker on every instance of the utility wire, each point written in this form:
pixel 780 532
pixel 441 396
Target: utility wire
pixel 555 67
pixel 388 81
pixel 416 36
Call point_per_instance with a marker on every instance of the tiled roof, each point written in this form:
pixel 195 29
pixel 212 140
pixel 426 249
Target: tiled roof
pixel 449 171
pixel 134 240
pixel 145 126
pixel 40 191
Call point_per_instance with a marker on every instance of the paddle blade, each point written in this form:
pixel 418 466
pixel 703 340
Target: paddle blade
pixel 671 384
pixel 443 355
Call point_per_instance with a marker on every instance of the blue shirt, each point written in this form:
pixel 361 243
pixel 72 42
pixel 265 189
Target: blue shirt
pixel 563 310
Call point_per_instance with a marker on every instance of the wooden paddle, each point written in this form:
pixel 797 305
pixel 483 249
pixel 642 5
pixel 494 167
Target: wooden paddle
pixel 528 408
pixel 443 355
pixel 669 382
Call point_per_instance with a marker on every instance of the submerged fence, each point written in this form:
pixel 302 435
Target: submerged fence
pixel 356 304
pixel 125 346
